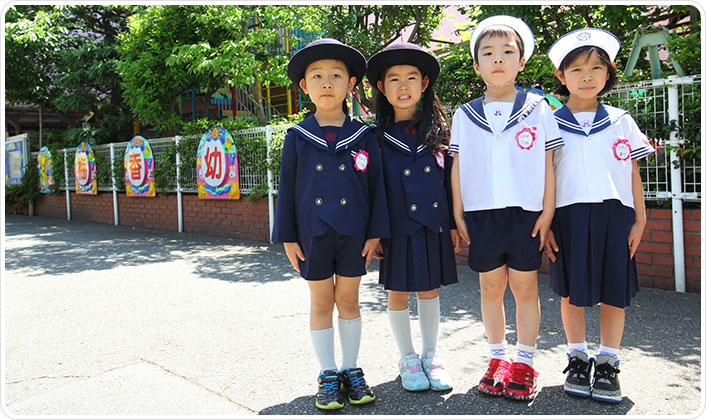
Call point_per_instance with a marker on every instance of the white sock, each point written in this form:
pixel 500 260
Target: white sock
pixel 525 354
pixel 578 347
pixel 610 351
pixel 349 333
pixel 499 351
pixel 429 315
pixel 399 323
pixel 323 347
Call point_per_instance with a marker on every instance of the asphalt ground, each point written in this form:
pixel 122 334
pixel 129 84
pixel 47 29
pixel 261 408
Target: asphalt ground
pixel 102 320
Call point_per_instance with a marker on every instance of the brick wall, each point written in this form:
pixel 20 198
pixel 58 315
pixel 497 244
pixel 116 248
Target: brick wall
pixel 51 205
pixel 230 218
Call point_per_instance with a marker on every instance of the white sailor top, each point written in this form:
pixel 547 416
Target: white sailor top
pixel 597 166
pixel 416 182
pixel 506 169
pixel 321 189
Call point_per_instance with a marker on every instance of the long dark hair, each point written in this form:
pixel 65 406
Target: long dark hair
pixel 431 122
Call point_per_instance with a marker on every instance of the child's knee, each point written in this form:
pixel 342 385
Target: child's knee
pixel 524 291
pixel 322 306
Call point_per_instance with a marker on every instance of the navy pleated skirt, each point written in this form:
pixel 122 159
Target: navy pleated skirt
pixel 593 263
pixel 417 263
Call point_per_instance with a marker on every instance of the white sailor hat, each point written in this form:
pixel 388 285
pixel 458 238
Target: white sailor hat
pixel 518 25
pixel 584 37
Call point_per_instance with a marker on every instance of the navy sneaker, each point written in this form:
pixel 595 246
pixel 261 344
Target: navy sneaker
pixel 606 386
pixel 358 391
pixel 329 396
pixel 578 378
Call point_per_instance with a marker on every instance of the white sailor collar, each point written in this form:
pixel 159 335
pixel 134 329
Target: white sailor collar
pixel 605 116
pixel 404 138
pixel 351 132
pixel 523 105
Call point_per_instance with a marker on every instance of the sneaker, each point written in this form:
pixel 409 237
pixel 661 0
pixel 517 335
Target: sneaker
pixel 439 380
pixel 358 391
pixel 329 396
pixel 606 386
pixel 495 378
pixel 578 380
pixel 523 382
pixel 413 379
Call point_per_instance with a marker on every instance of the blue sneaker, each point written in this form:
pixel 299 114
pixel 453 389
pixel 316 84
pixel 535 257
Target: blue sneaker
pixel 439 379
pixel 413 377
pixel 329 396
pixel 353 382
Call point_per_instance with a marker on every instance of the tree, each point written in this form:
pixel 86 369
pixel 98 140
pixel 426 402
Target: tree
pixel 64 58
pixel 171 48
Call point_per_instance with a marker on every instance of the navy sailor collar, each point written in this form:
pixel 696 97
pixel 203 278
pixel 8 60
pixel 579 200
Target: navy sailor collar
pixel 351 132
pixel 523 105
pixel 605 116
pixel 398 137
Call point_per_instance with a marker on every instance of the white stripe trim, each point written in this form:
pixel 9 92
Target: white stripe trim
pixel 641 152
pixel 351 138
pixel 569 124
pixel 476 115
pixel 311 136
pixel 397 142
pixel 421 147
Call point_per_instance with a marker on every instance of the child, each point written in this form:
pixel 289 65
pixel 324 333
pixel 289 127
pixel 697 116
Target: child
pixel 420 255
pixel 600 211
pixel 331 210
pixel 503 180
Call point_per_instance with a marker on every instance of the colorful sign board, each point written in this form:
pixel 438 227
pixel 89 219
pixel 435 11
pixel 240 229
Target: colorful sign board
pixel 46 172
pixel 15 149
pixel 217 166
pixel 139 168
pixel 85 170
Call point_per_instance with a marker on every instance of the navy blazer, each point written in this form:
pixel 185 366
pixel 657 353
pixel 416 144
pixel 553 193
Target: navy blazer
pixel 320 189
pixel 418 187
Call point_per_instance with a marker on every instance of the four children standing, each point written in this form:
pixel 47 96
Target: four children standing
pixel 509 177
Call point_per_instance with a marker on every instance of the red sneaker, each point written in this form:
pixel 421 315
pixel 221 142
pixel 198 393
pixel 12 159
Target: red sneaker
pixel 495 378
pixel 523 382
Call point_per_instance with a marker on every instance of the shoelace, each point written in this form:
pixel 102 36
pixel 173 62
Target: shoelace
pixel 414 367
pixel 605 370
pixel 521 375
pixel 331 385
pixel 578 366
pixel 357 381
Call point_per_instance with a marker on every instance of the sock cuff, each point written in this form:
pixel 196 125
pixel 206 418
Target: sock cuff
pixel 348 321
pixel 325 331
pixel 398 311
pixel 526 348
pixel 498 346
pixel 427 301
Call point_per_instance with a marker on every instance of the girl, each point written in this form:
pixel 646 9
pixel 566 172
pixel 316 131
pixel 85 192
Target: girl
pixel 414 135
pixel 600 211
pixel 503 180
pixel 331 210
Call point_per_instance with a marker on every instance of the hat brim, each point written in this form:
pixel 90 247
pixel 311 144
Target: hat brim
pixel 307 55
pixel 424 61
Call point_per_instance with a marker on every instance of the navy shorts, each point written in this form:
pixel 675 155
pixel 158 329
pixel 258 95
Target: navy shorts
pixel 503 236
pixel 332 253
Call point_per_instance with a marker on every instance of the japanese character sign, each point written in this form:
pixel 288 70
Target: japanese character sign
pixel 217 166
pixel 46 172
pixel 85 170
pixel 139 168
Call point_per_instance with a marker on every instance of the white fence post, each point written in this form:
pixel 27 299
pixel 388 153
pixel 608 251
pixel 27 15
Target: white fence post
pixel 112 180
pixel 270 180
pixel 676 190
pixel 66 184
pixel 178 187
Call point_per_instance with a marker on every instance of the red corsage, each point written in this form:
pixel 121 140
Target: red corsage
pixel 621 149
pixel 360 161
pixel 525 138
pixel 440 158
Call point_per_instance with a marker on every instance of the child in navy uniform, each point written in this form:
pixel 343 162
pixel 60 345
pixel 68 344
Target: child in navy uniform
pixel 331 210
pixel 503 179
pixel 419 257
pixel 600 208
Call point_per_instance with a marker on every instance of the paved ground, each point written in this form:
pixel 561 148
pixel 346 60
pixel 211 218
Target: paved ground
pixel 102 320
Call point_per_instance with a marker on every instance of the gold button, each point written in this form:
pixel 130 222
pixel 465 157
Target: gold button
pixel 319 167
pixel 413 207
pixel 427 169
pixel 435 205
pixel 344 201
pixel 407 172
pixel 342 168
pixel 319 201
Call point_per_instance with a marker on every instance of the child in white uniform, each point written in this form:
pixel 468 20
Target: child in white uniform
pixel 600 214
pixel 503 196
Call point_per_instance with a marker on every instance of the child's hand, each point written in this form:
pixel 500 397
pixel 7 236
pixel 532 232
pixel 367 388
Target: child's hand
pixel 635 237
pixel 550 247
pixel 456 240
pixel 294 251
pixel 544 221
pixel 369 250
pixel 462 230
pixel 378 254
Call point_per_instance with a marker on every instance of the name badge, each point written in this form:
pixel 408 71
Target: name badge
pixel 526 137
pixel 440 159
pixel 621 149
pixel 360 160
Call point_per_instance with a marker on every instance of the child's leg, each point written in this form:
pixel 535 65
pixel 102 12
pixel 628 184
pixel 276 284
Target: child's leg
pixel 574 320
pixel 321 322
pixel 492 289
pixel 349 325
pixel 527 313
pixel 429 317
pixel 612 325
pixel 398 314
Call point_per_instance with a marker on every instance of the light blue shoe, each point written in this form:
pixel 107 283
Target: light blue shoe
pixel 439 379
pixel 413 378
